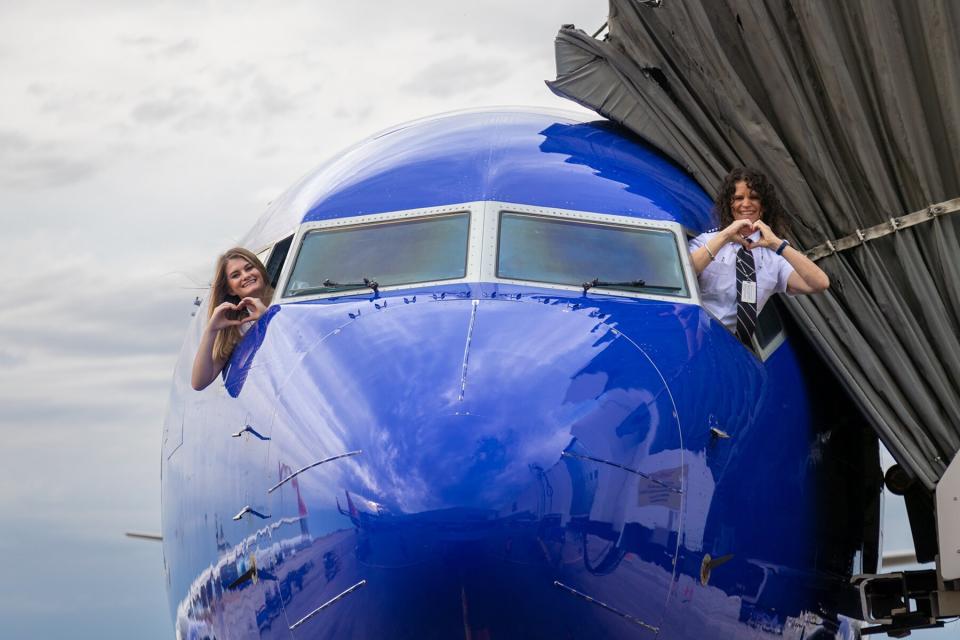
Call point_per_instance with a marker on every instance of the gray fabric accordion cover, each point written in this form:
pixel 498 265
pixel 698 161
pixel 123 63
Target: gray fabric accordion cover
pixel 853 109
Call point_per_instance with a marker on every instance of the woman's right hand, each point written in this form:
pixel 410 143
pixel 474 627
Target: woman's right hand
pixel 220 318
pixel 252 308
pixel 737 231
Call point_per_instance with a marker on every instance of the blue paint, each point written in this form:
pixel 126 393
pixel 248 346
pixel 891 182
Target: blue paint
pixel 510 156
pixel 513 436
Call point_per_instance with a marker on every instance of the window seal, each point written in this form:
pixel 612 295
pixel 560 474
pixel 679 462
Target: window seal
pixel 472 260
pixel 597 289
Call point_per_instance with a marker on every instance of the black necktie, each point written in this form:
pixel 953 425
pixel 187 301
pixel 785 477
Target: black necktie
pixel 746 311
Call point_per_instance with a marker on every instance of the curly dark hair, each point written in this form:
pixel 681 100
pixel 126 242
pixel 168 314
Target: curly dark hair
pixel 773 213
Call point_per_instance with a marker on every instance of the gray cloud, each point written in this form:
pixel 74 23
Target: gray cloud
pixel 139 41
pixel 187 45
pixel 183 109
pixel 12 142
pixel 160 47
pixel 63 415
pixel 161 109
pixel 241 95
pixel 30 163
pixel 73 105
pixel 8 359
pixel 128 320
pixel 266 97
pixel 133 316
pixel 453 76
pixel 358 113
pixel 49 169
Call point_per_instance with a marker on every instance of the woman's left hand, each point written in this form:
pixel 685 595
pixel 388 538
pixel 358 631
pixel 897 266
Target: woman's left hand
pixel 768 238
pixel 254 308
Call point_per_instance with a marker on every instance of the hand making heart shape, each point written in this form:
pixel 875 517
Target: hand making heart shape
pixel 228 314
pixel 740 230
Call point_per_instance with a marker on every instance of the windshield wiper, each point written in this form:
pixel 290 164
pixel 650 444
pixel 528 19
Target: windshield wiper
pixel 596 282
pixel 367 283
pixel 329 285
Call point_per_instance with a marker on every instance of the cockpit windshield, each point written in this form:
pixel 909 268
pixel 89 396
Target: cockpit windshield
pixel 571 252
pixel 383 254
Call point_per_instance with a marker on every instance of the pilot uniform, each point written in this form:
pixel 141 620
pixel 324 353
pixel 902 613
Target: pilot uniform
pixel 718 281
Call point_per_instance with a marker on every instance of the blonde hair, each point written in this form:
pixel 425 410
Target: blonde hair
pixel 228 337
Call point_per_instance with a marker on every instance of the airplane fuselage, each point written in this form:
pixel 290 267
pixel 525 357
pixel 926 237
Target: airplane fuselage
pixel 484 447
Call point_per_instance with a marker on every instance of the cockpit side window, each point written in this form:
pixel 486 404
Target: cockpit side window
pixel 277 257
pixel 769 331
pixel 573 252
pixel 390 253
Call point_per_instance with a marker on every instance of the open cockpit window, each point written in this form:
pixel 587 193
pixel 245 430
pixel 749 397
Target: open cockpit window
pixel 562 251
pixel 277 257
pixel 388 253
pixel 769 331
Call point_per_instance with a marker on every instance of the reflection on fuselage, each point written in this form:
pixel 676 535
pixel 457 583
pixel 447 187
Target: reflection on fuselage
pixel 569 451
pixel 534 461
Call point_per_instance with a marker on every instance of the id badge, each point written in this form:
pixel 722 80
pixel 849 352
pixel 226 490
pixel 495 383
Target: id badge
pixel 748 292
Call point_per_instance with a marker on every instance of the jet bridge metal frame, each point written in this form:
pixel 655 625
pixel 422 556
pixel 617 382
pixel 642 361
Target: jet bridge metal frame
pixel 897 603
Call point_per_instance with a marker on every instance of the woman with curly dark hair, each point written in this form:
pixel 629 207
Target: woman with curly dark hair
pixel 744 263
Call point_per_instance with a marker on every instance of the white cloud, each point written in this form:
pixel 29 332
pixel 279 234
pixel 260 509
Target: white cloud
pixel 138 139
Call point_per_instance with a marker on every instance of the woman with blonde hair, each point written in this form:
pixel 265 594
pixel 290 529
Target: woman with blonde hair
pixel 240 294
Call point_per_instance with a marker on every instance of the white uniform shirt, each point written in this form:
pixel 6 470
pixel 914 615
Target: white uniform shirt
pixel 718 281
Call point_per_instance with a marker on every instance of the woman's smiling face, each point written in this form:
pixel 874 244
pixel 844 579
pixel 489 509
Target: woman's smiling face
pixel 746 205
pixel 243 278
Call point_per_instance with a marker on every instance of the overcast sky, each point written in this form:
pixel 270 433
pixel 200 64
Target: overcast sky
pixel 137 140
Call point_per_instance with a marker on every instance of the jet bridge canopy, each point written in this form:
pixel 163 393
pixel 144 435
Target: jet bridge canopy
pixel 853 110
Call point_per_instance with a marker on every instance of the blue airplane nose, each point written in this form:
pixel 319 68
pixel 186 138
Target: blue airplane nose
pixel 464 403
pixel 515 453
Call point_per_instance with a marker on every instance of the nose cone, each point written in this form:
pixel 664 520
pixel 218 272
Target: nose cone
pixel 515 453
pixel 466 404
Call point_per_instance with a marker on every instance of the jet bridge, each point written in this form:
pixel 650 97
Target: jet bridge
pixel 901 601
pixel 853 110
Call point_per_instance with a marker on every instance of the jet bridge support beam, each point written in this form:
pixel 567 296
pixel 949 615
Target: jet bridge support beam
pixel 948 520
pixel 898 603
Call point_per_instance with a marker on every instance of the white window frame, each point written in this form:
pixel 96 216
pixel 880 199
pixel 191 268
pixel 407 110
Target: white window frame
pixel 474 209
pixel 492 233
pixel 482 251
pixel 778 339
pixel 266 251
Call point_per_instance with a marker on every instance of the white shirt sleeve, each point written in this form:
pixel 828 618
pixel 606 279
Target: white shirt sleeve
pixel 718 282
pixel 784 271
pixel 700 240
